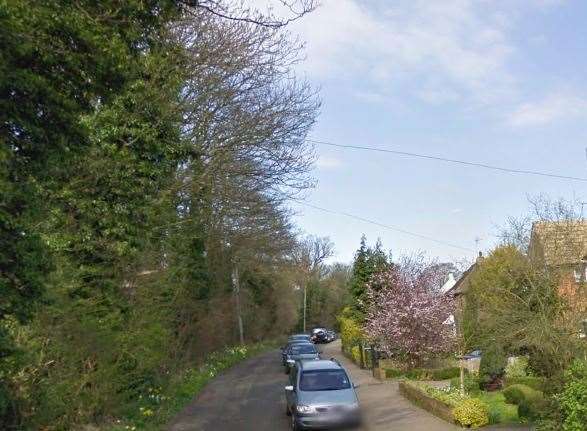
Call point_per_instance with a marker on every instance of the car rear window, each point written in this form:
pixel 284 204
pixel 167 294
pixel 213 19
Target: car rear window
pixel 324 380
pixel 303 349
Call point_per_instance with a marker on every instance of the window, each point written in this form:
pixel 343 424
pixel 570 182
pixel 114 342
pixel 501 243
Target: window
pixel 303 349
pixel 324 380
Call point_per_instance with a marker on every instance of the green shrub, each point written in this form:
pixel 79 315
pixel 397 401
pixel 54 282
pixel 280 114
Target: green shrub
pixel 515 394
pixel 573 399
pixel 351 333
pixel 517 368
pixel 428 374
pixel 471 412
pixel 471 383
pixel 492 367
pixel 392 373
pixel 449 397
pixel 536 383
pixel 356 354
pixel 533 407
pixel 447 373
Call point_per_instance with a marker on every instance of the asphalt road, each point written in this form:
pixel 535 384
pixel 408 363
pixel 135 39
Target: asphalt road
pixel 248 397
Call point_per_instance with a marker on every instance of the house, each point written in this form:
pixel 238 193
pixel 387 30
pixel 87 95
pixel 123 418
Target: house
pixel 562 246
pixel 449 283
pixel 461 286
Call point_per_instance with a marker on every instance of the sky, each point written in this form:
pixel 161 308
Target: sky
pixel 501 82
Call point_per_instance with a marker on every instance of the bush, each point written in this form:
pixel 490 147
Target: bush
pixel 356 354
pixel 471 383
pixel 533 407
pixel 392 373
pixel 573 399
pixel 517 368
pixel 515 394
pixel 492 367
pixel 426 373
pixel 447 373
pixel 536 383
pixel 351 333
pixel 472 413
pixel 449 397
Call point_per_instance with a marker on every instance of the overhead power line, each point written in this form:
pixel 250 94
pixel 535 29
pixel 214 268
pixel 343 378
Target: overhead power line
pixel 444 159
pixel 393 228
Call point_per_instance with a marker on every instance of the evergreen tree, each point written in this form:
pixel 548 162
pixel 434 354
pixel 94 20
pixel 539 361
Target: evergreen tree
pixel 368 261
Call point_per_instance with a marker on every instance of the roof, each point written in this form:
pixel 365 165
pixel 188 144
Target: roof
pixel 321 364
pixel 461 285
pixel 560 242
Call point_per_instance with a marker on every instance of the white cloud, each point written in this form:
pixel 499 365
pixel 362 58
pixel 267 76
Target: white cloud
pixel 556 106
pixel 325 162
pixel 433 49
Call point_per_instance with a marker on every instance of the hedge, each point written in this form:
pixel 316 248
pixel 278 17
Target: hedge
pixel 536 383
pixel 447 405
pixel 425 373
pixel 530 401
pixel 514 394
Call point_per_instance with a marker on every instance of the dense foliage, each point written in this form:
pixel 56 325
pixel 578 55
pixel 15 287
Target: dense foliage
pixel 492 367
pixel 367 262
pixel 471 413
pixel 147 151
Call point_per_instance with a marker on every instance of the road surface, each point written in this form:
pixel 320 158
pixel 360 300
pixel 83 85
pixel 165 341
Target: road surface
pixel 250 397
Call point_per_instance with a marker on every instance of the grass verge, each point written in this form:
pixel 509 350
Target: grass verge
pixel 155 408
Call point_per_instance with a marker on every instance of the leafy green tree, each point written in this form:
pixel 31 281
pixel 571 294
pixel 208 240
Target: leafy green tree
pixel 368 261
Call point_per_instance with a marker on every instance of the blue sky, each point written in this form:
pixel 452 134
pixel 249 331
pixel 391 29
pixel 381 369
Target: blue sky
pixel 492 81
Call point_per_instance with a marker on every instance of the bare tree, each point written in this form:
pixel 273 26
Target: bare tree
pixel 241 12
pixel 309 256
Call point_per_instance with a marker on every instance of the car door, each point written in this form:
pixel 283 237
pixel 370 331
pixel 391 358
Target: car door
pixel 290 396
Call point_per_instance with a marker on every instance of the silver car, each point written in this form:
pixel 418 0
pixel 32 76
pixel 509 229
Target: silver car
pixel 320 395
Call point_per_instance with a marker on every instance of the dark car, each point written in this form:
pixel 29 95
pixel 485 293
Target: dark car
pixel 300 352
pixel 330 336
pixel 292 343
pixel 320 335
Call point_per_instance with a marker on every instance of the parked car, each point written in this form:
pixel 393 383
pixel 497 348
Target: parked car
pixel 299 337
pixel 300 352
pixel 321 395
pixel 330 335
pixel 290 343
pixel 319 335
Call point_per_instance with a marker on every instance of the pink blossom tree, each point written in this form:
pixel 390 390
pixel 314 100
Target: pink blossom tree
pixel 406 314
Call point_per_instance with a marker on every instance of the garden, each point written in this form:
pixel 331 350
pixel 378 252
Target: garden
pixel 533 361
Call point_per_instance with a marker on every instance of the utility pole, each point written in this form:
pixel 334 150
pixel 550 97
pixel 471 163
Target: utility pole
pixel 305 306
pixel 237 300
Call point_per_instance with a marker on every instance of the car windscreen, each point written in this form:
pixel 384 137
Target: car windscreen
pixel 324 380
pixel 303 349
pixel 299 337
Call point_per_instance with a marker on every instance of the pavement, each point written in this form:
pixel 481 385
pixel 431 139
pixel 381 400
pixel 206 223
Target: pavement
pixel 250 397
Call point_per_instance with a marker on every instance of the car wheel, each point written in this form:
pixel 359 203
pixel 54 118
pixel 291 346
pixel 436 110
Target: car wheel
pixel 294 424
